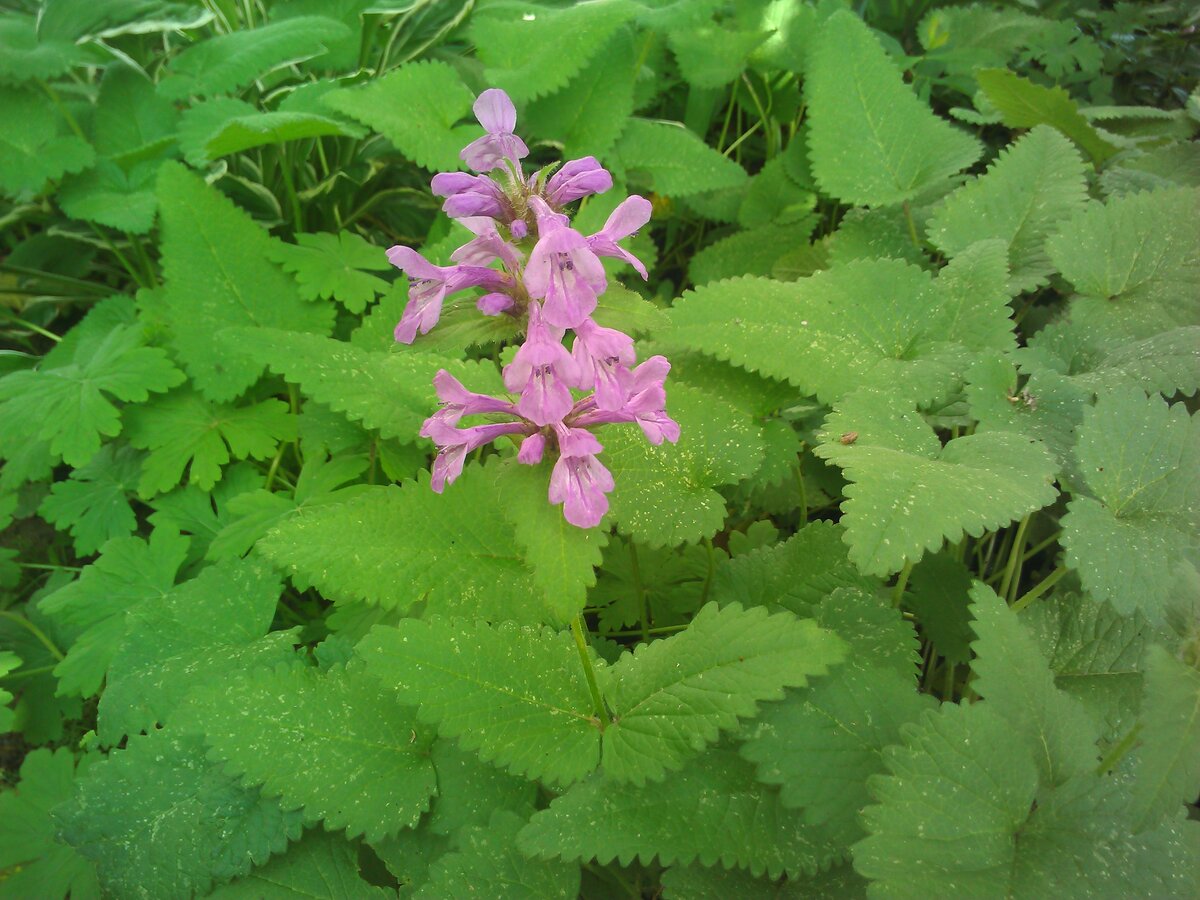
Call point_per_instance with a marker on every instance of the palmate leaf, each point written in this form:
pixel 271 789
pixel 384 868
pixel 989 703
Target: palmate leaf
pixel 226 62
pixel 109 195
pixel 675 161
pixel 415 107
pixel 158 820
pixel 871 141
pixel 218 276
pixel 35 864
pixel 93 503
pixel 1032 186
pixel 34 144
pixel 713 811
pixel 1138 518
pixel 908 493
pixel 320 866
pixel 183 430
pixel 330 265
pixel 323 741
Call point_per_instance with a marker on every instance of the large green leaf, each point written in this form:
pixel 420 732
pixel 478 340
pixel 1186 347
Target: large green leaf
pixel 321 866
pixel 673 160
pixel 35 145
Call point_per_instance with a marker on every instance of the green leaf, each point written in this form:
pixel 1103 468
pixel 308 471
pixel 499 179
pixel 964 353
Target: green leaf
pixel 696 882
pixel 183 430
pixel 1023 104
pixel 470 790
pixel 674 161
pixel 1013 676
pixel 203 514
pixel 226 62
pixel 129 572
pixel 1167 770
pixel 35 864
pixel 131 120
pixel 157 820
pixel 1138 519
pixel 110 196
pixel 77 19
pixel 203 630
pixel 710 56
pixel 937 593
pixel 874 630
pixel 531 50
pixel 321 741
pixel 672 697
pixel 415 107
pixel 320 866
pixel 667 495
pixel 70 405
pixel 34 144
pixel 711 812
pixel 328 265
pixel 908 493
pixel 25 55
pixel 1030 188
pixel 870 140
pixel 276 127
pixel 217 275
pixel 514 694
pixel 751 252
pixel 486 862
pixel 92 504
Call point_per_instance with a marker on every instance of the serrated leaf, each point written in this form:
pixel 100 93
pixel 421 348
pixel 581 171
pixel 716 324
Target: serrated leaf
pixel 36 865
pixel 217 276
pixel 1023 104
pixel 183 430
pixel 674 161
pixel 672 697
pixel 908 493
pixel 109 195
pixel 470 790
pixel 321 741
pixel 710 56
pixel 328 265
pixel 1141 517
pixel 937 593
pixel 130 119
pixel 158 820
pixel 320 866
pixel 203 514
pixel 666 495
pixel 514 694
pixel 1031 187
pixel 871 141
pixel 92 504
pixel 751 252
pixel 879 232
pixel 25 55
pixel 696 882
pixel 713 811
pixel 415 107
pixel 873 630
pixel 34 144
pixel 226 62
pixel 274 127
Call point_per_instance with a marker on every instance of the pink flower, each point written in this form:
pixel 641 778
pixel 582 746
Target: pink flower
pixel 604 356
pixel 487 246
pixel 542 371
pixel 498 116
pixel 457 401
pixel 428 287
pixel 470 195
pixel 645 403
pixel 579 481
pixel 562 269
pixel 577 178
pixel 626 219
pixel 455 443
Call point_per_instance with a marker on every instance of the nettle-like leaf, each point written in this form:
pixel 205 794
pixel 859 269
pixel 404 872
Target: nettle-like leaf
pixel 516 695
pixel 203 514
pixel 713 812
pixel 471 790
pixel 35 864
pixel 183 430
pixel 531 50
pixel 158 820
pixel 908 493
pixel 203 630
pixel 112 196
pixel 217 274
pixel 131 121
pixel 710 55
pixel 1026 192
pixel 93 504
pixel 25 55
pixel 672 697
pixel 330 265
pixel 71 405
pixel 1023 104
pixel 877 323
pixel 415 107
pixel 1135 518
pixel 35 146
pixel 226 62
pixel 129 572
pixel 324 741
pixel 674 160
pixel 667 495
pixel 871 141
pixel 321 866
pixel 486 862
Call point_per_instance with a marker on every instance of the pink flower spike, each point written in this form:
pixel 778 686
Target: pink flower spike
pixel 532 449
pixel 428 287
pixel 498 116
pixel 580 484
pixel 563 270
pixel 604 356
pixel 645 404
pixel 542 371
pixel 577 178
pixel 626 219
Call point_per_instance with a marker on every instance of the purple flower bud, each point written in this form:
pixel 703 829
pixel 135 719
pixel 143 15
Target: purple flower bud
pixel 532 449
pixel 626 219
pixel 562 270
pixel 580 484
pixel 498 116
pixel 604 356
pixel 487 246
pixel 470 195
pixel 518 229
pixel 577 178
pixel 494 303
pixel 455 443
pixel 428 287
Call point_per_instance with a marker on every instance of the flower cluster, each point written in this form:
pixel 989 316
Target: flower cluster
pixel 549 278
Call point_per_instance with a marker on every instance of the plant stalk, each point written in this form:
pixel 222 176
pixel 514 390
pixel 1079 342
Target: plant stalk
pixel 589 672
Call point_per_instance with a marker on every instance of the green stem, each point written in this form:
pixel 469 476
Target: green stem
pixel 129 269
pixel 1029 554
pixel 912 226
pixel 274 466
pixel 901 584
pixel 635 573
pixel 661 629
pixel 581 644
pixel 36 632
pixel 36 329
pixel 1033 593
pixel 290 186
pixel 708 576
pixel 803 489
pixel 1014 560
pixel 66 113
pixel 1117 753
pixel 948 689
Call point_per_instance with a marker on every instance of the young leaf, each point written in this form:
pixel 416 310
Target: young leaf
pixel 183 430
pixel 672 697
pixel 1140 520
pixel 93 503
pixel 217 276
pixel 34 144
pixel 320 866
pixel 870 140
pixel 326 742
pixel 1027 191
pixel 158 820
pixel 514 694
pixel 328 265
pixel 674 160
